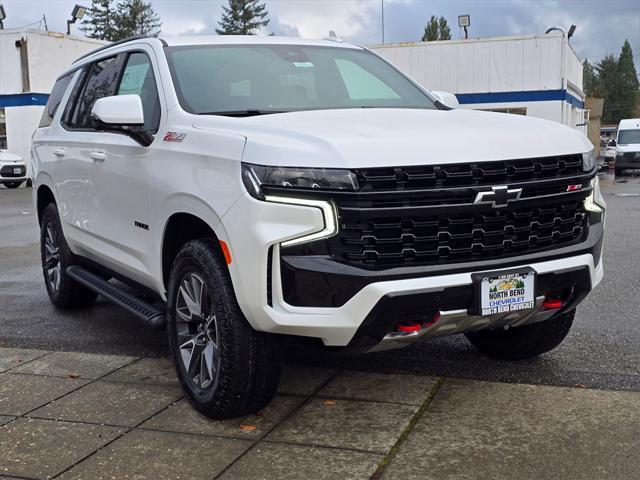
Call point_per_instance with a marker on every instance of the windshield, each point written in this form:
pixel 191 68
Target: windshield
pixel 628 136
pixel 253 79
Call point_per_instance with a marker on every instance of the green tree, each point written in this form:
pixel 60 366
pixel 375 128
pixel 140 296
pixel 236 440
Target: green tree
pixel 436 29
pixel 137 17
pixel 606 70
pixel 625 89
pixel 443 29
pixel 243 17
pixel 589 79
pixel 100 20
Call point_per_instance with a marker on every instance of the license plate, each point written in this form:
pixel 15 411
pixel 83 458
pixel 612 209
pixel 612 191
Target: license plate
pixel 504 292
pixel 17 171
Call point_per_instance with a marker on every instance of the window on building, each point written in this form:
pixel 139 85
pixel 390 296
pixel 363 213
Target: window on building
pixel 514 111
pixel 55 98
pixel 3 130
pixel 138 79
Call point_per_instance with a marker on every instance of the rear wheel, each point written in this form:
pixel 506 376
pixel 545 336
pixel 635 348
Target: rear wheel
pixel 12 184
pixel 226 368
pixel 525 342
pixel 64 292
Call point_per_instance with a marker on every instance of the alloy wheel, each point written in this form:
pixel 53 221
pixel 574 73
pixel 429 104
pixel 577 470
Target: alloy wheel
pixel 52 265
pixel 197 331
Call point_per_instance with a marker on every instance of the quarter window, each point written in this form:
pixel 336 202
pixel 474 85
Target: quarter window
pixel 138 79
pixel 55 98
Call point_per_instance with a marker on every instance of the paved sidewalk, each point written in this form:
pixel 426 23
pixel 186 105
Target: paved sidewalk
pixel 85 416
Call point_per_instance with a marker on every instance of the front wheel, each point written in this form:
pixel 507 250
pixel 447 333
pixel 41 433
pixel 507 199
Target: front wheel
pixel 226 368
pixel 525 342
pixel 64 292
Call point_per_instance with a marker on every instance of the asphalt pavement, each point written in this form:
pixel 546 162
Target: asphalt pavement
pixel 601 351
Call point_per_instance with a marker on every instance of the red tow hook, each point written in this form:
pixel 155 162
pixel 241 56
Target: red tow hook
pixel 551 304
pixel 408 327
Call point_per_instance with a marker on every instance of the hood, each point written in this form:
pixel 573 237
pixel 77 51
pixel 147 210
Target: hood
pixel 352 138
pixel 5 156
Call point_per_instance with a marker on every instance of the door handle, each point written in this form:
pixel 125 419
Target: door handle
pixel 59 152
pixel 98 156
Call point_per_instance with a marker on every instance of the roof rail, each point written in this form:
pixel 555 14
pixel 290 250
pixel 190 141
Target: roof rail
pixel 119 42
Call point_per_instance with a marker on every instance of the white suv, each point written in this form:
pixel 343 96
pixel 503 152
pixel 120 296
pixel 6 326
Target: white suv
pixel 243 187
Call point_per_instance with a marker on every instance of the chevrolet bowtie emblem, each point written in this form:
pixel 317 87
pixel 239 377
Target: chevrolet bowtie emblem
pixel 498 196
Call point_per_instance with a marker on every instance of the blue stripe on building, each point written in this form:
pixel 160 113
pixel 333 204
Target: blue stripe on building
pixel 525 96
pixel 23 99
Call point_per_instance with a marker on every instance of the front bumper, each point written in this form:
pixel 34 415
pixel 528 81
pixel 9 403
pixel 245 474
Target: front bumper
pixel 627 161
pixel 254 230
pixel 13 172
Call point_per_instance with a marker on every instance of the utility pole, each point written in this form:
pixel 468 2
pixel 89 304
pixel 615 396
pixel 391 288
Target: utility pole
pixel 382 8
pixel 44 19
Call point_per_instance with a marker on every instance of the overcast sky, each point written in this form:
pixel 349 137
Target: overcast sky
pixel 602 24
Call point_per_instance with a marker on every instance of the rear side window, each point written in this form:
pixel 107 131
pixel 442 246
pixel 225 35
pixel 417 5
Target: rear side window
pixel 101 82
pixel 138 79
pixel 54 99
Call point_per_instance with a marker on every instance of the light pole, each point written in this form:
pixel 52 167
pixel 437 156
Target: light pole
pixel 3 15
pixel 77 13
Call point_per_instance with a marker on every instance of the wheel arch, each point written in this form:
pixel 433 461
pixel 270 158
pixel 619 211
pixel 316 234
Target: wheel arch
pixel 180 228
pixel 44 196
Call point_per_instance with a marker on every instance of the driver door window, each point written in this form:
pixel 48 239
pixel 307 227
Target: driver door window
pixel 138 79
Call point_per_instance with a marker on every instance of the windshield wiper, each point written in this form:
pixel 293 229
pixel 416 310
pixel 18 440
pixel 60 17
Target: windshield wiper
pixel 243 113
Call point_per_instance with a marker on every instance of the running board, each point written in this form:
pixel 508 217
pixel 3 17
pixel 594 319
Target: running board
pixel 151 314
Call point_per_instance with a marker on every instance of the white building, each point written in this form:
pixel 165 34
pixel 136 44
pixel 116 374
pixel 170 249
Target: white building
pixel 537 75
pixel 30 62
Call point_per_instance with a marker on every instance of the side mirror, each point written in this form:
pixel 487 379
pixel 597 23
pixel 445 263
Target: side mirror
pixel 119 110
pixel 121 113
pixel 446 98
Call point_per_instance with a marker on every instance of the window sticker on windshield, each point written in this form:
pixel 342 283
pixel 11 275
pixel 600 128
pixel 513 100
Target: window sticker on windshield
pixel 133 79
pixel 303 64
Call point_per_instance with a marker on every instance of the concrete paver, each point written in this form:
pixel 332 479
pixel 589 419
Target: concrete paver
pixel 81 365
pixel 409 389
pixel 20 394
pixel 369 426
pixel 303 380
pixel 43 448
pixel 268 461
pixel 13 357
pixel 482 430
pixel 111 403
pixel 182 417
pixel 149 455
pixel 157 371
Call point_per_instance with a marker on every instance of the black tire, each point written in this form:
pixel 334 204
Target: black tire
pixel 525 342
pixel 12 184
pixel 64 292
pixel 247 363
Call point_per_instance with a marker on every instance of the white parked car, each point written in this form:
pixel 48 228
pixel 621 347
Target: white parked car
pixel 250 188
pixel 13 169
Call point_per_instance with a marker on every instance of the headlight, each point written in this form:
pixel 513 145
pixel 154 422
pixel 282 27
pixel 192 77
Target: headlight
pixel 595 202
pixel 589 160
pixel 255 177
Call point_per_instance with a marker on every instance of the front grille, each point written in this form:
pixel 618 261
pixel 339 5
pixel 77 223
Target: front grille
pixel 425 238
pixel 631 156
pixel 8 172
pixel 425 215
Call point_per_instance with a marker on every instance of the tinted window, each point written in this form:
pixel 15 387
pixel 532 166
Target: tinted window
pixel 54 99
pixel 100 83
pixel 219 79
pixel 138 79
